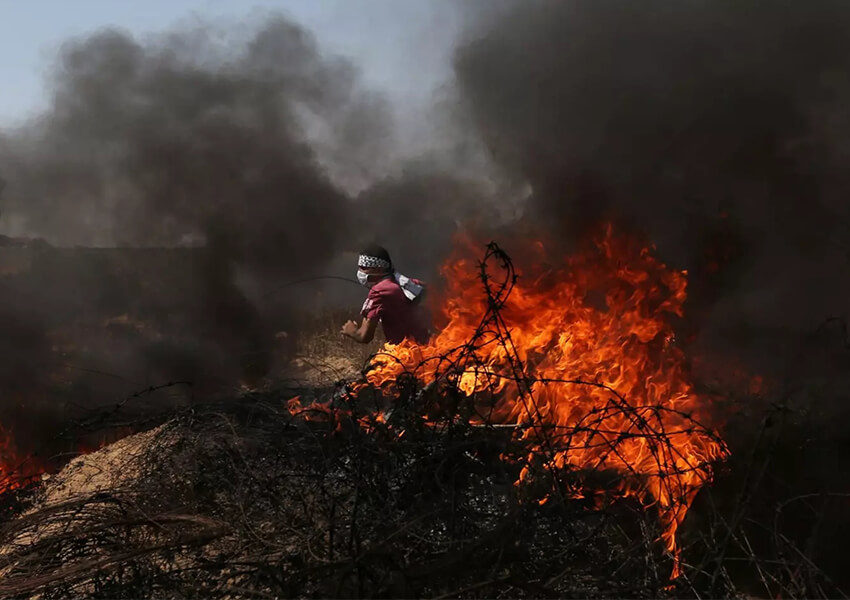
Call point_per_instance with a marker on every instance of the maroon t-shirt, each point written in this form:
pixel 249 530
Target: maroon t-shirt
pixel 400 317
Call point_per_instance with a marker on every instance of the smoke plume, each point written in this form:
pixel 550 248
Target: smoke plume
pixel 718 129
pixel 180 141
pixel 235 146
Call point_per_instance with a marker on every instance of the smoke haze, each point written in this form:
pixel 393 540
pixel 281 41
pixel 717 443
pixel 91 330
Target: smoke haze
pixel 199 138
pixel 715 129
pixel 181 141
pixel 227 162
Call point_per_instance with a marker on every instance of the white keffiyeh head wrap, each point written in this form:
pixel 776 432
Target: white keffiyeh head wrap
pixel 367 262
pixel 411 289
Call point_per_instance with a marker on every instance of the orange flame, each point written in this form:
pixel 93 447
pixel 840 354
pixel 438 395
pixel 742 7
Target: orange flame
pixel 16 469
pixel 581 357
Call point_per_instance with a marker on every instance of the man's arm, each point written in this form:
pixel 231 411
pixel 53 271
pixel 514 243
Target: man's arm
pixel 362 334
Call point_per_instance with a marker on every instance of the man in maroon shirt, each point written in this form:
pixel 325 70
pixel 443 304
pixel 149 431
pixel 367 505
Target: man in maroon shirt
pixel 393 301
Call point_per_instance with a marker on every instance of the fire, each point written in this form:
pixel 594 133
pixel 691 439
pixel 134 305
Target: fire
pixel 16 469
pixel 580 357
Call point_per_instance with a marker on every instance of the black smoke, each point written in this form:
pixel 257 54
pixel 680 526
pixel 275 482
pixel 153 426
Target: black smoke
pixel 176 141
pixel 718 129
pixel 418 214
pixel 203 139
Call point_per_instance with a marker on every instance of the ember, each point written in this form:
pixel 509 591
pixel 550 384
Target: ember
pixel 16 468
pixel 581 358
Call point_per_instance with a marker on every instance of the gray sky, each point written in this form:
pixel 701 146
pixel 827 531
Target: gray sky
pixel 402 47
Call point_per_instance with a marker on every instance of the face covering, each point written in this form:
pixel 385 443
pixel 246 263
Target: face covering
pixel 363 278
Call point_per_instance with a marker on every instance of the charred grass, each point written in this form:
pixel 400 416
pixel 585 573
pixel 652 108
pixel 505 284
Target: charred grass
pixel 239 497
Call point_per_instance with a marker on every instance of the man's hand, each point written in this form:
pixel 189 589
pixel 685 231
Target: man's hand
pixel 362 334
pixel 349 329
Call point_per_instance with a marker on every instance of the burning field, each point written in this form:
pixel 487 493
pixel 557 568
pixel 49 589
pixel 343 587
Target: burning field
pixel 632 227
pixel 548 441
pixel 581 360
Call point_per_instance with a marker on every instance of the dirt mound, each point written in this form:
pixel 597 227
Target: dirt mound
pixel 110 468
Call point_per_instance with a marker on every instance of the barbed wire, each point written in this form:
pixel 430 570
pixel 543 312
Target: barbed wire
pixel 342 490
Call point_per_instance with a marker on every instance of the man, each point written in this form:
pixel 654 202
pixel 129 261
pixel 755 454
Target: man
pixel 393 301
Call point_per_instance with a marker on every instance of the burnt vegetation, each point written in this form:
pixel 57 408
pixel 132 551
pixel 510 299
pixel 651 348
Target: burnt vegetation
pixel 715 130
pixel 323 492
